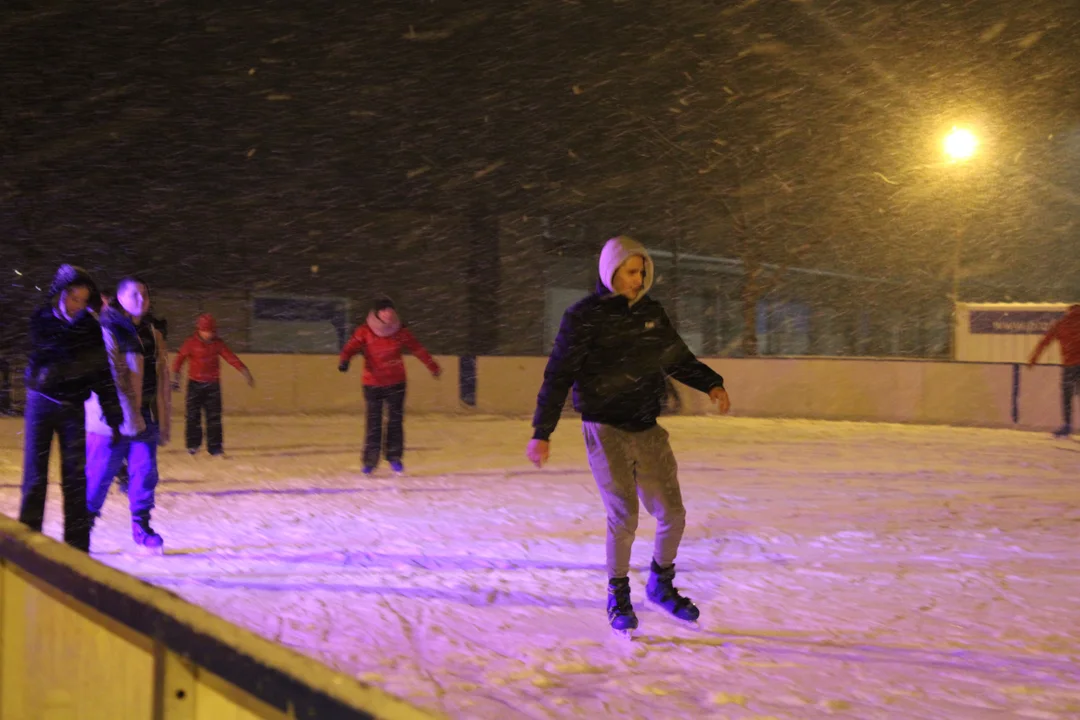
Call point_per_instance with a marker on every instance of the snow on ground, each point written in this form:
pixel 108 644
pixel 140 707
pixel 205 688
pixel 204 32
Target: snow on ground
pixel 843 570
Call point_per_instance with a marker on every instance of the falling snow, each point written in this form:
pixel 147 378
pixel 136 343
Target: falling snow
pixel 783 160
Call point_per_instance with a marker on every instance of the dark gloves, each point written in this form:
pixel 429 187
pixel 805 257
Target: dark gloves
pixel 343 367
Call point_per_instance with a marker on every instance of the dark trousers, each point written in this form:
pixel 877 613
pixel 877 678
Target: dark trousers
pixel 1070 382
pixel 43 419
pixel 203 397
pixel 393 398
pixel 105 457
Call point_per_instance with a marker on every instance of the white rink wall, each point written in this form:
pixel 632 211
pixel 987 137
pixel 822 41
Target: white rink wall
pixel 291 384
pixel 79 639
pixel 903 391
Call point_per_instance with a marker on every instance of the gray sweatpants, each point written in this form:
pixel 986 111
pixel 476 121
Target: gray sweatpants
pixel 629 465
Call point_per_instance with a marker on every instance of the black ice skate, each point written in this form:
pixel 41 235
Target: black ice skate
pixel 620 612
pixel 145 537
pixel 662 593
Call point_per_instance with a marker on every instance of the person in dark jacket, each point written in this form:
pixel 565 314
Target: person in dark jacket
pixel 203 352
pixel 139 362
pixel 123 479
pixel 383 340
pixel 1067 332
pixel 68 361
pixel 615 349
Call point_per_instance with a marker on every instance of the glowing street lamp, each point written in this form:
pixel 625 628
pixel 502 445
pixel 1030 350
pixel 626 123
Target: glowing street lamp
pixel 960 145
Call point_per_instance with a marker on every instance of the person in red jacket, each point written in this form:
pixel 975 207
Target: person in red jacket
pixel 1067 332
pixel 204 351
pixel 382 340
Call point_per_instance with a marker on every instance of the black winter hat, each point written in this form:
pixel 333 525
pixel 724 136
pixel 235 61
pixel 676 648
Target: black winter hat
pixel 383 304
pixel 68 276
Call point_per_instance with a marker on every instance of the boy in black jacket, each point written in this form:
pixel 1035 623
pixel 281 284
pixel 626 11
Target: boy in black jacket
pixel 67 362
pixel 615 348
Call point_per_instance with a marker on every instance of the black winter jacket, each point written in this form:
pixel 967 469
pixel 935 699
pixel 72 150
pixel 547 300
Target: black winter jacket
pixel 616 356
pixel 68 361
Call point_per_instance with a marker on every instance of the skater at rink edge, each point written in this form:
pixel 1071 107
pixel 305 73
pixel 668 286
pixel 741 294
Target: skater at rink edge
pixel 140 370
pixel 1067 332
pixel 203 352
pixel 615 348
pixel 162 324
pixel 382 340
pixel 67 362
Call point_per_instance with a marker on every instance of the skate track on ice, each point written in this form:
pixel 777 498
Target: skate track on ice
pixel 843 570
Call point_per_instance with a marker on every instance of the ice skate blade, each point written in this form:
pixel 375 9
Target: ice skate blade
pixel 691 624
pixel 150 552
pixel 625 634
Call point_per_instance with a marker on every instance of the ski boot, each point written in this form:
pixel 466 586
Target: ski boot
pixel 661 592
pixel 145 537
pixel 619 610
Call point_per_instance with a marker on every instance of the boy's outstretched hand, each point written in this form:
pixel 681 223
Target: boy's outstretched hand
pixel 538 452
pixel 719 396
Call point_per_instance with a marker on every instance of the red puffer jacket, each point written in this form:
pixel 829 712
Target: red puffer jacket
pixel 1067 332
pixel 382 344
pixel 205 355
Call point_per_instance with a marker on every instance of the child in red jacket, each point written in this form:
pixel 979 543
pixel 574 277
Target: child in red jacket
pixel 382 340
pixel 204 350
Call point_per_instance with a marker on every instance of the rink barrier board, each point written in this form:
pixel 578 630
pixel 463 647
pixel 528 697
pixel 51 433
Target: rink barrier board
pixel 1002 395
pixel 311 384
pixel 929 392
pixel 79 639
pixel 905 390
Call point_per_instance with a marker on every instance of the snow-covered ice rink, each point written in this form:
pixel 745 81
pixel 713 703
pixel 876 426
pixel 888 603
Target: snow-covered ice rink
pixel 842 569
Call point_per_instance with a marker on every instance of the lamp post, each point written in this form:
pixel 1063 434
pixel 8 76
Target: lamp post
pixel 959 145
